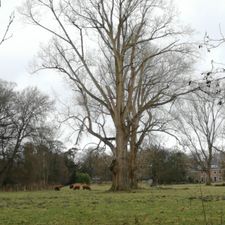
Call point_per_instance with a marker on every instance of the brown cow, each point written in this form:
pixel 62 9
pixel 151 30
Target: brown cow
pixel 58 187
pixel 86 187
pixel 76 187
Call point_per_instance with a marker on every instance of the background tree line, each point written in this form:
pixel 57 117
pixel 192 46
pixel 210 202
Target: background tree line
pixel 29 151
pixel 30 154
pixel 31 157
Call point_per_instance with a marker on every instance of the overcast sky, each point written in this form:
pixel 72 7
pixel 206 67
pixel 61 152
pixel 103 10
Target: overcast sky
pixel 16 54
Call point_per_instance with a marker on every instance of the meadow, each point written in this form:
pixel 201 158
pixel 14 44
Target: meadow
pixel 173 204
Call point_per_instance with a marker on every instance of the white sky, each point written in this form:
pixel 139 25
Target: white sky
pixel 17 53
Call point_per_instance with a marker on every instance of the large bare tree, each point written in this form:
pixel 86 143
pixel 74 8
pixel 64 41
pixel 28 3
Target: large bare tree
pixel 124 58
pixel 200 123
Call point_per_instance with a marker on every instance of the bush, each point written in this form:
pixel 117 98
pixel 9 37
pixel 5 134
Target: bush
pixel 83 178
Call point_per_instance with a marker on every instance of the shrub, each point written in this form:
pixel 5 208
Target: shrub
pixel 83 178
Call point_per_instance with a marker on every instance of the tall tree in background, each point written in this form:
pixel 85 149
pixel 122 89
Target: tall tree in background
pixel 22 115
pixel 40 166
pixel 7 97
pixel 96 163
pixel 124 58
pixel 200 124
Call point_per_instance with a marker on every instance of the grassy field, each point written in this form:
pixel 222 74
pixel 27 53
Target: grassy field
pixel 177 204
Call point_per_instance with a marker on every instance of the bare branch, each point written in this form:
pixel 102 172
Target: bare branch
pixel 5 35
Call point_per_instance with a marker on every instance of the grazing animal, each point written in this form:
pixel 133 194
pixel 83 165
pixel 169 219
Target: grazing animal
pixel 58 187
pixel 71 186
pixel 76 187
pixel 86 187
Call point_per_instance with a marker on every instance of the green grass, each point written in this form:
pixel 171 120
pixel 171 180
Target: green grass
pixel 177 204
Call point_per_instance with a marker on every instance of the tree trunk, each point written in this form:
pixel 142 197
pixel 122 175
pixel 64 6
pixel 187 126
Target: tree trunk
pixel 120 175
pixel 133 181
pixel 119 166
pixel 208 181
pixel 209 162
pixel 208 172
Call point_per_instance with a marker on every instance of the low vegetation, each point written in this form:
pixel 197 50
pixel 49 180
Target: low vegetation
pixel 174 204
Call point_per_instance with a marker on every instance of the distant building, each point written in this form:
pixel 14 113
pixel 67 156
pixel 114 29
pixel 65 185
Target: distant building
pixel 216 173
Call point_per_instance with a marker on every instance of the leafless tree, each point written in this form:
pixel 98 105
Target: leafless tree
pixel 7 111
pixel 125 58
pixel 21 116
pixel 200 124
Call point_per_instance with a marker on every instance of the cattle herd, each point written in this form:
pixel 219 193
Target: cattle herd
pixel 76 186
